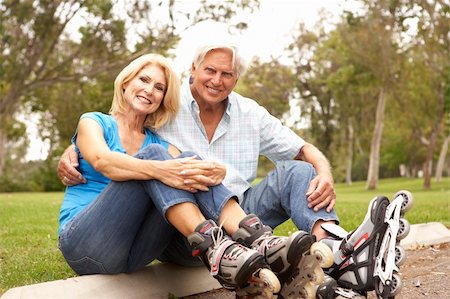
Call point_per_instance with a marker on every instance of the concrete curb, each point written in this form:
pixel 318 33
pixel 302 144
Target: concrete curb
pixel 156 281
pixel 163 280
pixel 426 234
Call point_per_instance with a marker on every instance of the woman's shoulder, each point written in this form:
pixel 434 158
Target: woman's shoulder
pixel 102 118
pixel 96 115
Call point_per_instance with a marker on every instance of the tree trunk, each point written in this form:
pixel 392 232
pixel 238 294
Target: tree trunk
pixel 427 167
pixel 374 162
pixel 348 170
pixel 2 148
pixel 441 161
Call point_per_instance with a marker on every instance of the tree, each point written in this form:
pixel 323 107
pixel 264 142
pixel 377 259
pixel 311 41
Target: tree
pixel 336 91
pixel 270 83
pixel 425 82
pixel 311 69
pixel 39 50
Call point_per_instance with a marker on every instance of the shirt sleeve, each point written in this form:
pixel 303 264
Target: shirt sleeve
pixel 277 141
pixel 102 119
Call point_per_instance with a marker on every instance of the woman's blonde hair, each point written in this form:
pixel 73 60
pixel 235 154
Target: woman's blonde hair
pixel 171 101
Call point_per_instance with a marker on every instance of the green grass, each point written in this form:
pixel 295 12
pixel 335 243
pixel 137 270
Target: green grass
pixel 352 201
pixel 28 239
pixel 29 251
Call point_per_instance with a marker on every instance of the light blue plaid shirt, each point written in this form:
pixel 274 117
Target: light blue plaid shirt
pixel 246 131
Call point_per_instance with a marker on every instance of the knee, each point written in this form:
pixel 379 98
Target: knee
pixel 298 169
pixel 189 154
pixel 153 151
pixel 296 166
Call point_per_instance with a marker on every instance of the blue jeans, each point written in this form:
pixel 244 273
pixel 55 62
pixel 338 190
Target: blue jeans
pixel 125 228
pixel 281 195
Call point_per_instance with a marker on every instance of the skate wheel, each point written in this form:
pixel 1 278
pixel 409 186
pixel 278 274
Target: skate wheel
pixel 317 276
pixel 394 288
pixel 403 229
pixel 270 280
pixel 308 292
pixel 396 285
pixel 400 255
pixel 323 254
pixel 407 200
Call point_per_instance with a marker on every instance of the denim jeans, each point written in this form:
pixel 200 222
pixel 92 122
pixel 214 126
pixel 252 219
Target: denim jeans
pixel 125 228
pixel 281 195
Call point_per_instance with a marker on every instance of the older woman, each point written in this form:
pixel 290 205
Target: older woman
pixel 138 198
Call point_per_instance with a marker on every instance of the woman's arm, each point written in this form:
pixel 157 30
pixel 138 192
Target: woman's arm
pixel 121 167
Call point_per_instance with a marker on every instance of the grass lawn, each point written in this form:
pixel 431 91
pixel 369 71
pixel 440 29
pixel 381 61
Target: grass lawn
pixel 29 221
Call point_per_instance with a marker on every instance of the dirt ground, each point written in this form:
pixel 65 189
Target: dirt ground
pixel 424 275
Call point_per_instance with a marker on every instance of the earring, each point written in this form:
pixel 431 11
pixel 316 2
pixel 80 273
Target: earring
pixel 191 80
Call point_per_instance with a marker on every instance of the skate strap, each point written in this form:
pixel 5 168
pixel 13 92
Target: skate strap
pixel 247 235
pixel 202 247
pixel 219 251
pixel 334 230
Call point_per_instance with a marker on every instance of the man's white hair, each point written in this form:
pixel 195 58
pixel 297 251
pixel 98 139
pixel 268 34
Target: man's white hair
pixel 239 63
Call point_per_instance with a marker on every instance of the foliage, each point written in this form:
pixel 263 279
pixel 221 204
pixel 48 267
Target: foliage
pixel 373 71
pixel 61 69
pixel 31 176
pixel 270 84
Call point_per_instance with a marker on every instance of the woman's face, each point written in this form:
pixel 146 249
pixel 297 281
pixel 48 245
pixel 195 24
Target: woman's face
pixel 145 92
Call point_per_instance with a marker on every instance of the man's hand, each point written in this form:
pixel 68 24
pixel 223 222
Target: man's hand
pixel 67 168
pixel 209 173
pixel 321 193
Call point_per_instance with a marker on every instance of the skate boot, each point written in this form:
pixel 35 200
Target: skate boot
pixel 236 267
pixel 295 259
pixel 368 258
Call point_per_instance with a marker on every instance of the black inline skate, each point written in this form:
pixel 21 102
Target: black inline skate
pixel 368 258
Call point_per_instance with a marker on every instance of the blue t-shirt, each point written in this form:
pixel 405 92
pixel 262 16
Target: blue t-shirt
pixel 77 197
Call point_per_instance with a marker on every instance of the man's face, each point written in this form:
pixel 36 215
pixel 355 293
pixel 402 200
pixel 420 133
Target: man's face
pixel 214 78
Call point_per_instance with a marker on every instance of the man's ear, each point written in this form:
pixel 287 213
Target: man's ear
pixel 235 83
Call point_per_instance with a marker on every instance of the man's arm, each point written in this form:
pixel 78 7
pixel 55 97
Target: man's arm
pixel 67 168
pixel 321 191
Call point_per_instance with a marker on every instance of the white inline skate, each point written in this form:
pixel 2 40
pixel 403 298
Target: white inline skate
pixel 236 267
pixel 368 258
pixel 297 260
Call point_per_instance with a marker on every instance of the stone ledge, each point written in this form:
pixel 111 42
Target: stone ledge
pixel 156 281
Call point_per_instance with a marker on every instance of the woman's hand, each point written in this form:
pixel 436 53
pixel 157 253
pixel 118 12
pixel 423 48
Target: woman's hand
pixel 191 174
pixel 209 173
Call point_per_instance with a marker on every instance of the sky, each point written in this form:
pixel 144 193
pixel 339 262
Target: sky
pixel 269 31
pixel 268 34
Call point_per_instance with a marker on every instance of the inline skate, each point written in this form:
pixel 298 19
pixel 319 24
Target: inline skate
pixel 368 258
pixel 236 267
pixel 297 260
